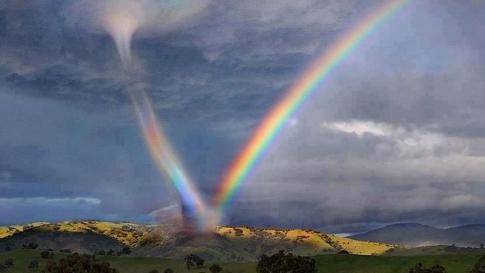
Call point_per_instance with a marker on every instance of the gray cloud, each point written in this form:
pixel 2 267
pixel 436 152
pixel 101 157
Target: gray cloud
pixel 395 134
pixel 26 210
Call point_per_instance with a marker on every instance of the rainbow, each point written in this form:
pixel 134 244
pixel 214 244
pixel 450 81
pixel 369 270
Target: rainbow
pixel 164 156
pixel 308 83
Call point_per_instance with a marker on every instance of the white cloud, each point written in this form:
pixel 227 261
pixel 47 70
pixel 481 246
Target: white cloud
pixel 150 16
pixel 360 127
pixel 50 202
pixel 462 201
pixel 410 143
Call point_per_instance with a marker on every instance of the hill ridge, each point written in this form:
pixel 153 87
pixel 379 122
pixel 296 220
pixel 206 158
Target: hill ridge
pixel 233 243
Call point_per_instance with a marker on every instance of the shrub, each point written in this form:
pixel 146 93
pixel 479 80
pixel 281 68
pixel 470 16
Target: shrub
pixel 193 260
pixel 168 270
pixel 8 262
pixel 34 265
pixel 126 251
pixel 479 266
pixel 30 245
pixel 154 271
pixel 215 268
pixel 285 263
pixel 199 261
pixel 76 263
pixel 46 254
pixel 419 268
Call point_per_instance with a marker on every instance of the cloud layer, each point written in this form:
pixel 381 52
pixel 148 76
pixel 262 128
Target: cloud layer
pixel 396 134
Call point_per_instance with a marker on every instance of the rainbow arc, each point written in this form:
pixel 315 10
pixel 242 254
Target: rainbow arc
pixel 306 85
pixel 264 135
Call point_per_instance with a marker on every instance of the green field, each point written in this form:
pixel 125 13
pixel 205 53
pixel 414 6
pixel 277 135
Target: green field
pixel 394 264
pixel 326 263
pixel 22 259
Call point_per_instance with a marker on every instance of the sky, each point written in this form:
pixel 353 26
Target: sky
pixel 396 133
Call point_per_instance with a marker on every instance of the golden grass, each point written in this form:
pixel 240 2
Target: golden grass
pixel 320 242
pixel 307 241
pixel 361 247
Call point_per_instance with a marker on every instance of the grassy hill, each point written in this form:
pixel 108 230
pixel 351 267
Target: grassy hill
pixel 87 242
pixel 307 241
pixel 6 231
pixel 129 234
pixel 224 243
pixel 334 263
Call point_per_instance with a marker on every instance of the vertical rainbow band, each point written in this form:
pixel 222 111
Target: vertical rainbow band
pixel 308 82
pixel 164 156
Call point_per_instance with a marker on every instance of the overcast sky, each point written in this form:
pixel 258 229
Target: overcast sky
pixel 396 134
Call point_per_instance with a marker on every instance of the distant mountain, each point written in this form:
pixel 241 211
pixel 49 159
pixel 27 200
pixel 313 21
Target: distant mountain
pixel 417 235
pixel 224 243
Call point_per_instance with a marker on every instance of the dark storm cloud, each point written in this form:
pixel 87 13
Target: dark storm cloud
pixel 55 152
pixel 396 134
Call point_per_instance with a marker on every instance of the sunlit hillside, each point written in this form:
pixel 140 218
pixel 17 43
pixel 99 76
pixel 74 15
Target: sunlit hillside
pixel 308 240
pixel 6 231
pixel 227 243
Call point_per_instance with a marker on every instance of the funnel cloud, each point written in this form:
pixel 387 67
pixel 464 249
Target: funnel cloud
pixel 123 18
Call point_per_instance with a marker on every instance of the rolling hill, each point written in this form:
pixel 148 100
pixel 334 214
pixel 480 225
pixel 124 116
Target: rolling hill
pixel 417 235
pixel 224 243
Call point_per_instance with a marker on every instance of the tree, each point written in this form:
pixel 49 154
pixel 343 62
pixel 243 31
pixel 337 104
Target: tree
pixel 50 266
pixel 34 265
pixel 215 268
pixel 479 266
pixel 419 268
pixel 189 261
pixel 76 263
pixel 8 263
pixel 30 245
pixel 437 269
pixel 199 261
pixel 126 251
pixel 282 262
pixel 192 260
pixel 46 254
